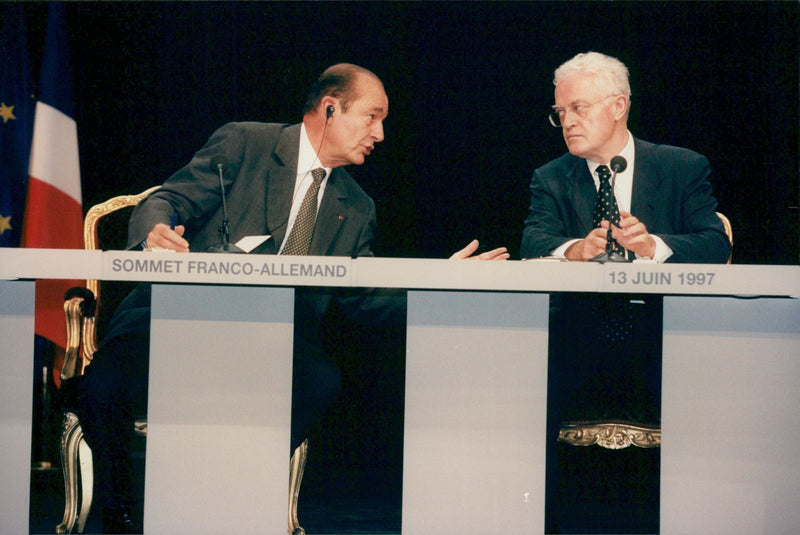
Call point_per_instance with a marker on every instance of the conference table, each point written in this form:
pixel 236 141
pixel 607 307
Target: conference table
pixel 476 386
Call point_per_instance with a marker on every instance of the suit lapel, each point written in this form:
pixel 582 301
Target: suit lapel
pixel 646 180
pixel 281 180
pixel 583 195
pixel 331 215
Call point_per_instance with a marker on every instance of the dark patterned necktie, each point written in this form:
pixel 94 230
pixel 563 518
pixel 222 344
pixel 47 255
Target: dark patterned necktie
pixel 606 206
pixel 614 311
pixel 300 237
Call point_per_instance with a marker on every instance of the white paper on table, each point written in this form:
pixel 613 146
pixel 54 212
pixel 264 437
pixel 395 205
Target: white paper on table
pixel 248 243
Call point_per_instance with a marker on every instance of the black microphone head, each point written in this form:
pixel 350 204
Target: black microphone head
pixel 618 164
pixel 217 162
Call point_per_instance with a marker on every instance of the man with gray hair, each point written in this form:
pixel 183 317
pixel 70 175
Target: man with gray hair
pixel 667 212
pixel 605 349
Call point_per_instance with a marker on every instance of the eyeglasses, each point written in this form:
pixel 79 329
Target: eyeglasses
pixel 581 110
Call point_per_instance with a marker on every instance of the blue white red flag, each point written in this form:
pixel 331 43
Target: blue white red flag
pixel 53 211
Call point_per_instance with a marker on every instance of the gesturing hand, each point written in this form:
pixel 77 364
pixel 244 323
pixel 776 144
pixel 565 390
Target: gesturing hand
pixel 501 253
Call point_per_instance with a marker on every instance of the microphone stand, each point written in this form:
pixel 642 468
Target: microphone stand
pixel 224 232
pixel 610 255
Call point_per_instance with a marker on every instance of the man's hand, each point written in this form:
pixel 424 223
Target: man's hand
pixel 501 253
pixel 589 247
pixel 633 236
pixel 166 238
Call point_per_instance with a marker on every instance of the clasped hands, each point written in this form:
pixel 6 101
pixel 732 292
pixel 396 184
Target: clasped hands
pixel 631 234
pixel 164 237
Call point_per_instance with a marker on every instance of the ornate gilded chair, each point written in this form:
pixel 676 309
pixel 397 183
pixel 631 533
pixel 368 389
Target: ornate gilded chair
pixel 728 230
pixel 83 308
pixel 619 434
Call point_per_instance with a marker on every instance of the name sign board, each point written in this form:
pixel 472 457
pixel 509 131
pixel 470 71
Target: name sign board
pixel 410 273
pixel 208 268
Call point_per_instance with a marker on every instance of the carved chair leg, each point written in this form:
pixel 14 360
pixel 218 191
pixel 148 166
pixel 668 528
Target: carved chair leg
pixel 87 482
pixel 71 435
pixel 297 466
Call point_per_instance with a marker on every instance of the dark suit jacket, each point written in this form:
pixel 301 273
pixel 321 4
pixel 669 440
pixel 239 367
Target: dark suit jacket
pixel 671 196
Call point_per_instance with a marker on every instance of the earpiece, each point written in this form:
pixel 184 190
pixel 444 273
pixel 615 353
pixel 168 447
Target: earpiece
pixel 329 111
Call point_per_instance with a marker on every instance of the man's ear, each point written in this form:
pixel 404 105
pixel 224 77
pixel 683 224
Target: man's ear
pixel 621 104
pixel 329 106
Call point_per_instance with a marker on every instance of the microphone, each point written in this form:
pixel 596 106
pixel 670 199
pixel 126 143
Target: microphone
pixel 218 163
pixel 618 164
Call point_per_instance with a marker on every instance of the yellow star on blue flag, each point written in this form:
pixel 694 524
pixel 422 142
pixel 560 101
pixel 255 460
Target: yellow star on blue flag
pixel 6 112
pixel 5 223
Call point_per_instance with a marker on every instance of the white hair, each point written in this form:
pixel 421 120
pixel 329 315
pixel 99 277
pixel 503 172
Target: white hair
pixel 611 72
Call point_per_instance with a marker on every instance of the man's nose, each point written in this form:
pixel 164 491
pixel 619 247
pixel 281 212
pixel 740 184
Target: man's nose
pixel 569 118
pixel 377 131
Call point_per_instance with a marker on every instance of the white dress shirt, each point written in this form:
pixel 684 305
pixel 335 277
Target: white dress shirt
pixel 307 160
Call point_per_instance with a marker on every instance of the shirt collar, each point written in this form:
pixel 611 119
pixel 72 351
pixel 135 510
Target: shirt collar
pixel 307 158
pixel 627 152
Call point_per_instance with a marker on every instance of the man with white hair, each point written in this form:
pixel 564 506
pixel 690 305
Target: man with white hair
pixel 605 349
pixel 667 212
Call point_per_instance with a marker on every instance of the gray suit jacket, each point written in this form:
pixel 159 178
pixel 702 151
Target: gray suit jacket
pixel 259 183
pixel 671 196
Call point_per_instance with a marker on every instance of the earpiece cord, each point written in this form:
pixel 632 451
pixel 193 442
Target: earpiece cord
pixel 298 187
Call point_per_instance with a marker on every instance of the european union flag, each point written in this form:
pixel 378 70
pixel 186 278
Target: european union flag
pixel 16 126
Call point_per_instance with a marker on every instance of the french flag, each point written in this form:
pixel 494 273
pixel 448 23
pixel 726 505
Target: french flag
pixel 53 211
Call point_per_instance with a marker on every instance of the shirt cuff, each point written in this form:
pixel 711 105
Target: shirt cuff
pixel 662 252
pixel 562 249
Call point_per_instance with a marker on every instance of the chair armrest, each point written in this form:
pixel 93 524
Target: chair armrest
pixel 79 307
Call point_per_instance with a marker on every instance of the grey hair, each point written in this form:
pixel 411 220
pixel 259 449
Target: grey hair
pixel 611 72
